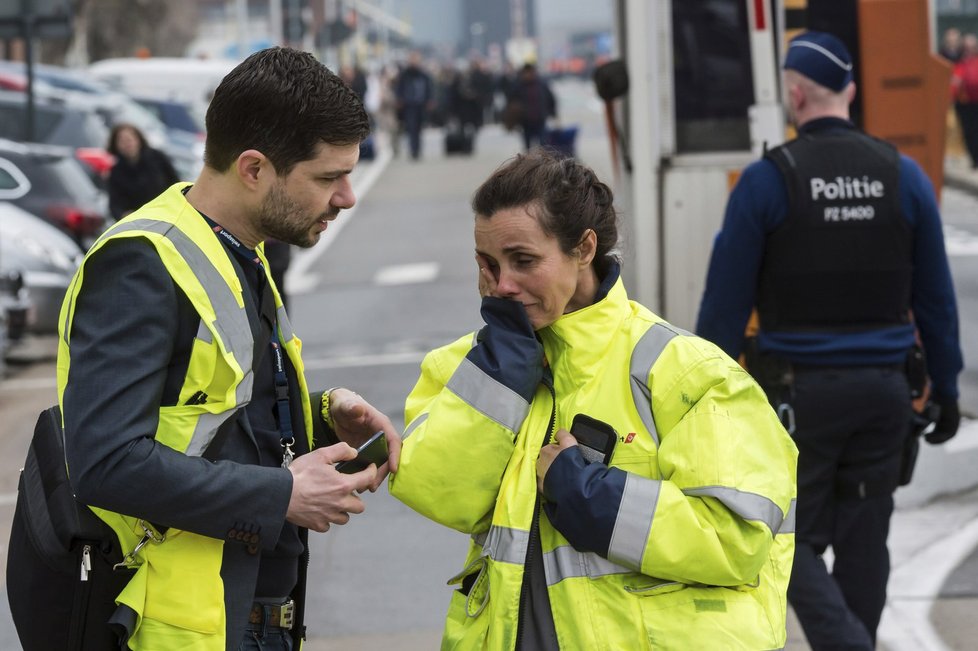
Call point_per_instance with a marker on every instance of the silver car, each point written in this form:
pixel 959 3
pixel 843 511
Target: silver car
pixel 47 259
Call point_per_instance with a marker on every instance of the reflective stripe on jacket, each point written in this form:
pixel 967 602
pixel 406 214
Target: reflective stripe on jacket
pixel 702 539
pixel 178 591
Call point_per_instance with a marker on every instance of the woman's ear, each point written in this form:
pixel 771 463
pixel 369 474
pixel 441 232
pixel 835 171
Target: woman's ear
pixel 588 247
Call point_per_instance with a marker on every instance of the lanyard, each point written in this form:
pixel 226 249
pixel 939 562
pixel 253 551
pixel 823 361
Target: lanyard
pixel 278 358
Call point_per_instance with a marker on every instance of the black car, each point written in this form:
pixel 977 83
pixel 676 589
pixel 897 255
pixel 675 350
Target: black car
pixel 58 122
pixel 50 183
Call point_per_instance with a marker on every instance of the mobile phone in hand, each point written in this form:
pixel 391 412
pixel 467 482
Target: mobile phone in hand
pixel 374 451
pixel 595 438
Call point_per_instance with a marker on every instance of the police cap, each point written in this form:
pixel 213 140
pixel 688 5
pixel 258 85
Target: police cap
pixel 822 58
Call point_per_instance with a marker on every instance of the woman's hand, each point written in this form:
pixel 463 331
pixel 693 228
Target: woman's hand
pixel 549 452
pixel 355 420
pixel 487 281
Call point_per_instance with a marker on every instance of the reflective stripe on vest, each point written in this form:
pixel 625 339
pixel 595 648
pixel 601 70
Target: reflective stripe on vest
pixel 233 326
pixel 507 545
pixel 493 400
pixel 644 355
pixel 414 425
pixel 749 506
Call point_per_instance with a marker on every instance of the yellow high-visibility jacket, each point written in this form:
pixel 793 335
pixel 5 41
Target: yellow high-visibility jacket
pixel 686 542
pixel 183 585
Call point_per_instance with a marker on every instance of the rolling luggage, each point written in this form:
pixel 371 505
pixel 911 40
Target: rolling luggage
pixel 561 140
pixel 458 141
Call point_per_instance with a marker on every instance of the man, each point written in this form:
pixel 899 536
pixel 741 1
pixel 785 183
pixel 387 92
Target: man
pixel 836 238
pixel 535 103
pixel 180 378
pixel 415 97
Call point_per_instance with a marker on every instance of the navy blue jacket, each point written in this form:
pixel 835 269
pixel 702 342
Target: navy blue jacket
pixel 757 206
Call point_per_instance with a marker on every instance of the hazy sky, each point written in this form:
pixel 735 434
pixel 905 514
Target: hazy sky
pixel 433 18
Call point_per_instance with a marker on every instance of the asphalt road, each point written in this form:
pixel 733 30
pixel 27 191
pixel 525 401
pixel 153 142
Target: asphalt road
pixel 394 278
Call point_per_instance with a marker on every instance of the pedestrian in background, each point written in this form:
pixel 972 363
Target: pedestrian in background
pixel 836 239
pixel 415 97
pixel 683 536
pixel 531 104
pixel 140 172
pixel 187 414
pixel 951 45
pixel 964 94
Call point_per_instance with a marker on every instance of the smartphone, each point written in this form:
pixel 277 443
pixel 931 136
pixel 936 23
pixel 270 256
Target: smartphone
pixel 373 451
pixel 595 438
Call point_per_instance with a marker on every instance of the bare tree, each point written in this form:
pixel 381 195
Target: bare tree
pixel 121 28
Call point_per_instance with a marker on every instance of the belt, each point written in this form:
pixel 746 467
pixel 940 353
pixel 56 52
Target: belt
pixel 275 615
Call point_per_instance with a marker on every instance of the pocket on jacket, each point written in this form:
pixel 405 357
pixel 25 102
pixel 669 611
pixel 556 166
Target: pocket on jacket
pixel 192 598
pixel 467 623
pixel 473 584
pixel 679 616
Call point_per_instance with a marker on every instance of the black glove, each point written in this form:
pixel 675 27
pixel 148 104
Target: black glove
pixel 947 423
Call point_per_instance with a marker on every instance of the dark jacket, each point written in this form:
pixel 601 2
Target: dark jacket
pixel 133 184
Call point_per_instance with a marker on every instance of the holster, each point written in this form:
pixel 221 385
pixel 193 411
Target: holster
pixel 916 370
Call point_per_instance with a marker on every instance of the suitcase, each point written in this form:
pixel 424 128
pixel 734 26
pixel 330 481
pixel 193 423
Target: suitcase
pixel 561 140
pixel 458 141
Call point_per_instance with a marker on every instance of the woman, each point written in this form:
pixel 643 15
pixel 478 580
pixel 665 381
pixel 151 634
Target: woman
pixel 140 172
pixel 684 540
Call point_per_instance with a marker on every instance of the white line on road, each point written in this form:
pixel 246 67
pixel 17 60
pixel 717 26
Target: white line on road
pixel 382 359
pixel 298 279
pixel 959 241
pixel 406 274
pixel 913 586
pixel 965 439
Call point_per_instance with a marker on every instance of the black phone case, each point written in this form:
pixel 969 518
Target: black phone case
pixel 595 438
pixel 373 451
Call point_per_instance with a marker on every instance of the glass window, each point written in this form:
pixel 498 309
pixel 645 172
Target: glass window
pixel 714 85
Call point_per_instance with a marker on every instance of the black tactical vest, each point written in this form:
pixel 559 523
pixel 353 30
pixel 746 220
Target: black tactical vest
pixel 842 259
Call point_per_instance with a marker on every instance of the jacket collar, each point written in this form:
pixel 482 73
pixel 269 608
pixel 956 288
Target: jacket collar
pixel 577 342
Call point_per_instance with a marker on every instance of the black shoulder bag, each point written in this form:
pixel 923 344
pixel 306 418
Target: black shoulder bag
pixel 61 581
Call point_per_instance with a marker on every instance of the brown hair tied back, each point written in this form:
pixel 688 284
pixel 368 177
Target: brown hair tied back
pixel 563 194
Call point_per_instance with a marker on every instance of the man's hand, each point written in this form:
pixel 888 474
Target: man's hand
pixel 549 452
pixel 322 495
pixel 355 420
pixel 947 423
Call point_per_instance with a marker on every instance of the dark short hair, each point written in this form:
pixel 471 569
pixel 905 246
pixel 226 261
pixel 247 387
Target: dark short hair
pixel 113 149
pixel 283 103
pixel 563 194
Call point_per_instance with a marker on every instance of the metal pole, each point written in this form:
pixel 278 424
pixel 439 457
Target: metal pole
pixel 275 21
pixel 241 20
pixel 27 11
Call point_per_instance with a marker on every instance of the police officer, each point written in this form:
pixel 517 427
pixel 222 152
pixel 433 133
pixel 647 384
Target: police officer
pixel 836 239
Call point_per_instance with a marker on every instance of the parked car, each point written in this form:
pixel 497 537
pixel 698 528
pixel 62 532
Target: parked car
pixel 174 114
pixel 183 79
pixel 45 257
pixel 58 122
pixel 14 312
pixel 185 133
pixel 48 182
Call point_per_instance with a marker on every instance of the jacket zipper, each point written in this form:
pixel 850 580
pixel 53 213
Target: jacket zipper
pixel 535 522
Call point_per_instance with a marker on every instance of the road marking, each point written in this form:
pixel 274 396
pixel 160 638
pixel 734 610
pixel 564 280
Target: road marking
pixel 958 241
pixel 28 384
pixel 966 438
pixel 382 359
pixel 914 585
pixel 298 278
pixel 406 274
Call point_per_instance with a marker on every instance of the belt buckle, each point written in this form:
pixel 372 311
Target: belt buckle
pixel 286 614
